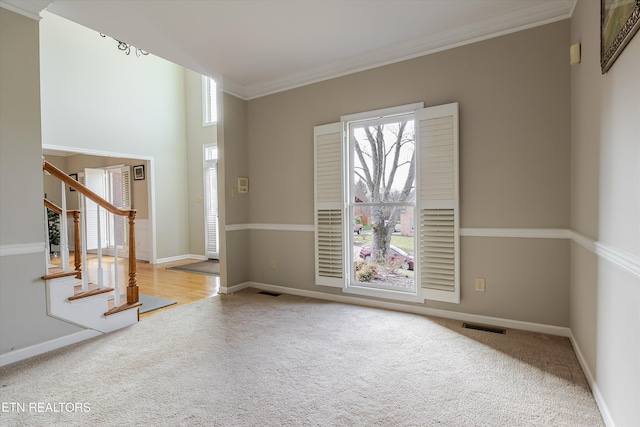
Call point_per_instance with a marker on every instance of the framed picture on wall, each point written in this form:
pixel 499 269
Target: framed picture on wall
pixel 74 176
pixel 138 172
pixel 619 22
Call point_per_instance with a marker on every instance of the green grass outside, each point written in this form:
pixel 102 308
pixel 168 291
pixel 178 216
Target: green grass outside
pixel 404 243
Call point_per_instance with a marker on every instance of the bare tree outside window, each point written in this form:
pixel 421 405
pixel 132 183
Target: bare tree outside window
pixel 384 180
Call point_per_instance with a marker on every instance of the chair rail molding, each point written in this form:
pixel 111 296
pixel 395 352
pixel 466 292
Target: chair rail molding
pixel 22 249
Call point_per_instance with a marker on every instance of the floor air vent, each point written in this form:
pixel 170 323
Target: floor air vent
pixel 484 328
pixel 271 294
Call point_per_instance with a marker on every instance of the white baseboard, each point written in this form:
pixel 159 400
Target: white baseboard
pixel 602 406
pixel 34 350
pixel 425 311
pixel 180 258
pixel 235 288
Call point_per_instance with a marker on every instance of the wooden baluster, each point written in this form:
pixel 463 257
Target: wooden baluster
pixel 64 235
pixel 77 262
pixel 132 289
pixel 85 272
pixel 116 285
pixel 100 269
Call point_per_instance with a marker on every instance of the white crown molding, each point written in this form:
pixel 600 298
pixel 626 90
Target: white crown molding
pixel 29 8
pixel 22 249
pixel 522 19
pixel 232 88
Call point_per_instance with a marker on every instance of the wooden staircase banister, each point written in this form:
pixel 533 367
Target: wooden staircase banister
pixel 132 288
pixel 77 263
pixel 48 167
pixel 57 209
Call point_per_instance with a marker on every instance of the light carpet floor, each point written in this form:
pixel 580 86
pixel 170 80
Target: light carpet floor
pixel 254 360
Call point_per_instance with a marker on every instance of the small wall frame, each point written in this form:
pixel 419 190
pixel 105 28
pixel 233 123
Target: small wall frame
pixel 138 172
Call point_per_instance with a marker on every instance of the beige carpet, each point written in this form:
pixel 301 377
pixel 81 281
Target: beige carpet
pixel 255 360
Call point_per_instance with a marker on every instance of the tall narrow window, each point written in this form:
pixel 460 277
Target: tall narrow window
pixel 209 107
pixel 211 200
pixel 382 202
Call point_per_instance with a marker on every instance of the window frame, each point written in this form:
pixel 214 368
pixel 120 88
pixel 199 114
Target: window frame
pixel 210 165
pixel 437 212
pixel 208 112
pixel 351 283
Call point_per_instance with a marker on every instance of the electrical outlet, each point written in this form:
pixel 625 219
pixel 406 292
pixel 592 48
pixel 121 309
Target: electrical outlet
pixel 273 263
pixel 480 284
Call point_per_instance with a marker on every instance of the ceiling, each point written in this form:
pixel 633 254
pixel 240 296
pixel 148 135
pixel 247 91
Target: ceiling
pixel 257 47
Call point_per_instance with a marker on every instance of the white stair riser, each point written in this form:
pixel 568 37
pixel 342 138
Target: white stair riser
pixel 85 312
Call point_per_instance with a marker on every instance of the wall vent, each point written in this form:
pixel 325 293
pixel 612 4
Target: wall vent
pixel 271 294
pixel 484 328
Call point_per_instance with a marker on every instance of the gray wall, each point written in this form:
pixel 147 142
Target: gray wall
pixel 514 95
pixel 23 316
pixel 234 207
pixel 605 208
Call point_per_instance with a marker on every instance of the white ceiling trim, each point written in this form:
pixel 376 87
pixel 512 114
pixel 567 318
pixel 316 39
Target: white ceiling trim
pixel 523 19
pixel 29 8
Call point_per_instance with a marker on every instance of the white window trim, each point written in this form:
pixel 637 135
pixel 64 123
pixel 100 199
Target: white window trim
pixel 422 292
pixel 210 164
pixel 386 115
pixel 383 112
pixel 205 104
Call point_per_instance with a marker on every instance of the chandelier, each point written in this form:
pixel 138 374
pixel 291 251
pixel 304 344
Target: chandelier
pixel 126 47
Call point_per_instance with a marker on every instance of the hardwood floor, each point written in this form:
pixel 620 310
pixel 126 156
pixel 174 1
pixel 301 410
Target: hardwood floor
pixel 155 280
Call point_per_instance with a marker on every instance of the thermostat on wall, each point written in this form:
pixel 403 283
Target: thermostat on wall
pixel 243 185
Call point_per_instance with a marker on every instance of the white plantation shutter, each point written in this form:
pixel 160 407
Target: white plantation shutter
pixel 125 172
pixel 121 224
pixel 329 205
pixel 438 203
pixel 211 210
pixel 95 180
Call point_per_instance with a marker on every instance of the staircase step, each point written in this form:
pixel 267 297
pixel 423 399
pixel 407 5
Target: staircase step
pixel 124 307
pixel 90 293
pixel 58 274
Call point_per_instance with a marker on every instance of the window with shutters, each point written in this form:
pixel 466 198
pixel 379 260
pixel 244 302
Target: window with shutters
pixel 112 183
pixel 209 106
pixel 210 163
pixel 386 203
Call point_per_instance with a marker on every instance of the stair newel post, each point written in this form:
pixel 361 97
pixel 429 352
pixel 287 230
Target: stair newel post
pixel 64 235
pixel 76 242
pixel 83 228
pixel 99 229
pixel 132 289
